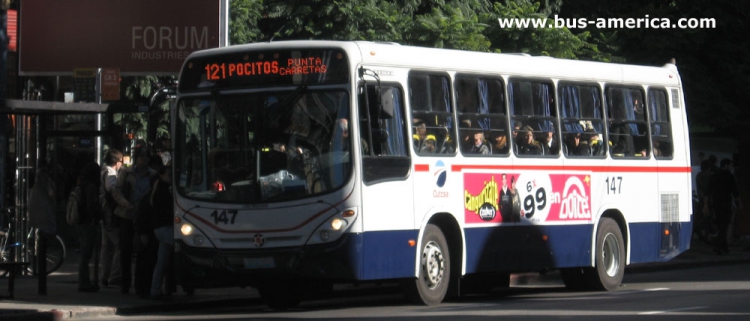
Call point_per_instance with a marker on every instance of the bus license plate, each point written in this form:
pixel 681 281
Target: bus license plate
pixel 259 263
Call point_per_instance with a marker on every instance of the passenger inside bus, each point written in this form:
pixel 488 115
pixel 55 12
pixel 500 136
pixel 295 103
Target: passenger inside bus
pixel 550 146
pixel 620 134
pixel 527 145
pixel 467 139
pixel 480 145
pixel 657 149
pixel 446 145
pixel 420 133
pixel 429 145
pixel 516 128
pixel 575 147
pixel 500 144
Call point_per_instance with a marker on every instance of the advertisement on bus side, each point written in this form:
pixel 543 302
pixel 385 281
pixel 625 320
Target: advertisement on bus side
pixel 532 197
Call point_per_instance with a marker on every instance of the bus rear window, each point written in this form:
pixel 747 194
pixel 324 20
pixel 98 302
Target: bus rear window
pixel 265 68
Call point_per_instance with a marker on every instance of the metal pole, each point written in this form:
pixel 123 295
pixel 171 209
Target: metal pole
pixel 99 117
pixel 23 169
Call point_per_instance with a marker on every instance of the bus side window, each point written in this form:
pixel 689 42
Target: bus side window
pixel 661 128
pixel 582 120
pixel 432 114
pixel 628 130
pixel 481 111
pixel 532 104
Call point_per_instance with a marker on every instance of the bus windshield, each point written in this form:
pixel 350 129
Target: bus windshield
pixel 263 146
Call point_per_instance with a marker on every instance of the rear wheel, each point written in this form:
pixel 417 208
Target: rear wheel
pixel 431 285
pixel 609 256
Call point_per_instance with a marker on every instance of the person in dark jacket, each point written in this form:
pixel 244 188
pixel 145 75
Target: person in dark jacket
pixel 722 190
pixel 162 218
pixel 88 225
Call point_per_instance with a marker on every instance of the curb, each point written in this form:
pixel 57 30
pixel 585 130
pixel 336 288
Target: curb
pixel 166 306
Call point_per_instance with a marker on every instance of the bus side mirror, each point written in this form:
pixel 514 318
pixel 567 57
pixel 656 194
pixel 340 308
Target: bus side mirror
pixel 386 104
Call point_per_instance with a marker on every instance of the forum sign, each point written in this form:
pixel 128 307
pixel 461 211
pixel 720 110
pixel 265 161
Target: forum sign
pixel 140 37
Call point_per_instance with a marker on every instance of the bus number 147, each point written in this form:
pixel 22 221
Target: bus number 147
pixel 224 217
pixel 614 185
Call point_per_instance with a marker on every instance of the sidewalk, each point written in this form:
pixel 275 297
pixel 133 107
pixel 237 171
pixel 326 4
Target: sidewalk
pixel 63 301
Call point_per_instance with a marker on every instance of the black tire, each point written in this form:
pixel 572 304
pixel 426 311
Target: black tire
pixel 431 285
pixel 609 257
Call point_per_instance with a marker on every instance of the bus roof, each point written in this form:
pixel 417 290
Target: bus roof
pixel 424 58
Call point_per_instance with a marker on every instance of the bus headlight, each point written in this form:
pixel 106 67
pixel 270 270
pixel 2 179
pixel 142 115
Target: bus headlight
pixel 333 228
pixel 337 224
pixel 192 236
pixel 186 229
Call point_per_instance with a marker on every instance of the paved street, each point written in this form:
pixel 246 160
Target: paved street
pixel 64 301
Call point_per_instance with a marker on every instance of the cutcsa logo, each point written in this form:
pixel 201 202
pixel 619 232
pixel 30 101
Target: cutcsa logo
pixel 441 174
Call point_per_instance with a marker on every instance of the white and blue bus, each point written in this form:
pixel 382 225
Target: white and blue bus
pixel 303 164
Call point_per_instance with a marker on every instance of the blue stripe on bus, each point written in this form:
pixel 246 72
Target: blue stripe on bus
pixel 387 254
pixel 518 248
pixel 650 243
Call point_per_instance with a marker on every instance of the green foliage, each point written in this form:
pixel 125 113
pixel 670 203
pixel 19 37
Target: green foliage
pixel 555 42
pixel 450 27
pixel 459 24
pixel 138 91
pixel 244 16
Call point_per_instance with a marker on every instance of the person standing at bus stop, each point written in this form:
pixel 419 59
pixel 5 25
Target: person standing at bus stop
pixel 110 230
pixel 88 227
pixel 132 185
pixel 162 218
pixel 724 193
pixel 42 216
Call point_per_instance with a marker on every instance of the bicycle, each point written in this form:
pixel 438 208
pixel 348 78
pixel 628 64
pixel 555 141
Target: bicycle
pixel 55 250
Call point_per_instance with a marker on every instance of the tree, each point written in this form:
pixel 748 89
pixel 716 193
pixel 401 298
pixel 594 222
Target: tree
pixel 244 16
pixel 138 90
pixel 459 24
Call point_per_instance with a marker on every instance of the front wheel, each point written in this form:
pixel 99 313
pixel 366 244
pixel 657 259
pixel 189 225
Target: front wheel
pixel 610 256
pixel 431 285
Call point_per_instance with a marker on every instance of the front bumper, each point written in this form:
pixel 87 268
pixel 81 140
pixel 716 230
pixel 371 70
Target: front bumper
pixel 213 268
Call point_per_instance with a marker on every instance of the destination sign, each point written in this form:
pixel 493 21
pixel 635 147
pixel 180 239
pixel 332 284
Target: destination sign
pixel 265 69
pixel 303 66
